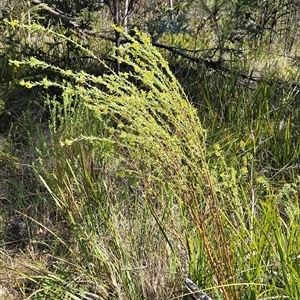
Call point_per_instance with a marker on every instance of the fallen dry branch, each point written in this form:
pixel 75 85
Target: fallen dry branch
pixel 194 291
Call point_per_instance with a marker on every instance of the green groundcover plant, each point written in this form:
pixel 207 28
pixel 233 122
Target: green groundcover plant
pixel 143 202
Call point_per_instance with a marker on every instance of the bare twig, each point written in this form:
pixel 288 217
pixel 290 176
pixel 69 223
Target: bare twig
pixel 196 293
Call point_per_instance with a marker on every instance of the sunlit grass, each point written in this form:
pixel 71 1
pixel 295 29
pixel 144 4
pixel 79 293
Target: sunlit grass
pixel 144 195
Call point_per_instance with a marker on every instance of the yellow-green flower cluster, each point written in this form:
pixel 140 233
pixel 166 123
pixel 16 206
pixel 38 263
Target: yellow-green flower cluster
pixel 27 84
pixel 16 63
